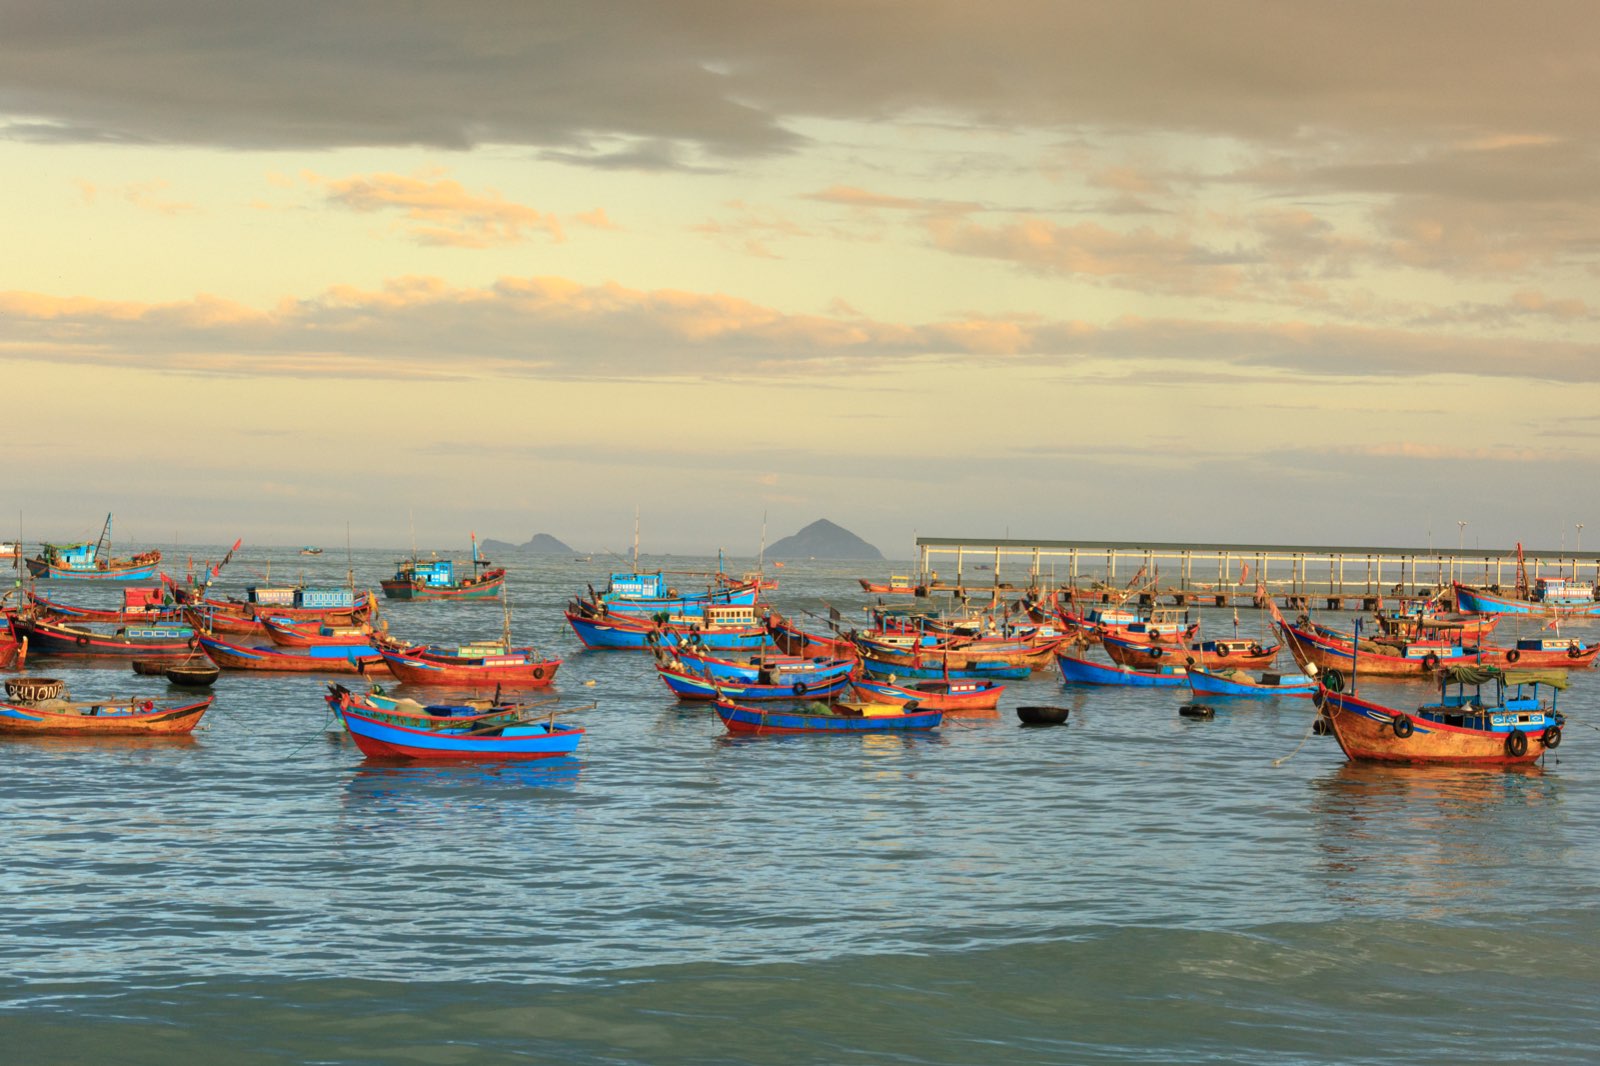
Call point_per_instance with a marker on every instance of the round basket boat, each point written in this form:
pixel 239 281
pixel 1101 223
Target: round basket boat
pixel 34 689
pixel 193 675
pixel 1040 715
pixel 154 667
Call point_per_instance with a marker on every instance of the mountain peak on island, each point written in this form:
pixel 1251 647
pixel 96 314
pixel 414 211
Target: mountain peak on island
pixel 823 539
pixel 542 543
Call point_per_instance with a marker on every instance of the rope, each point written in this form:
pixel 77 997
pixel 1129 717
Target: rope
pixel 1309 730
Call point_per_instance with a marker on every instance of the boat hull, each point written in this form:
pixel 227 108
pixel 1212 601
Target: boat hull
pixel 1366 733
pixel 1087 672
pixel 46 638
pixel 485 587
pixel 614 633
pixel 382 740
pixel 45 571
pixel 421 670
pixel 762 721
pixel 975 695
pixel 1481 601
pixel 1206 683
pixel 111 718
pixel 688 686
pixel 338 660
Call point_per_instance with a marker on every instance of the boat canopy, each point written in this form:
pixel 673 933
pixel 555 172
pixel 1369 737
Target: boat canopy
pixel 1482 675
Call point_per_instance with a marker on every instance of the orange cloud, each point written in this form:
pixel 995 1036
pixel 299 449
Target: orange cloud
pixel 442 212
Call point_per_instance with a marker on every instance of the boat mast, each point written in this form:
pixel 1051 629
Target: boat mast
pixel 636 539
pixel 104 541
pixel 761 557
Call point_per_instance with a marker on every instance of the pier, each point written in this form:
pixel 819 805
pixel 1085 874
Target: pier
pixel 1326 577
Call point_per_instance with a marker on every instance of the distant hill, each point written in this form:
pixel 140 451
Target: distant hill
pixel 823 540
pixel 542 543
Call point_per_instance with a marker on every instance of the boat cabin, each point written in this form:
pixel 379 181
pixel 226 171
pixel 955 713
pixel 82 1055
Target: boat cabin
pixel 639 587
pixel 1561 591
pixel 1514 700
pixel 325 596
pixel 729 616
pixel 270 595
pixel 433 573
pixel 71 556
pixel 143 600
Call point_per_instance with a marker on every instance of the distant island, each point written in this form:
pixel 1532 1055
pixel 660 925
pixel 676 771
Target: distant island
pixel 823 540
pixel 542 543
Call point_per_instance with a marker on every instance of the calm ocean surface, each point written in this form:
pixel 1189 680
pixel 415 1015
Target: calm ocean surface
pixel 1135 887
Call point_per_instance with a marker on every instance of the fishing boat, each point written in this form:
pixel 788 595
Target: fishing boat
pixel 1547 596
pixel 1245 654
pixel 1088 672
pixel 766 667
pixel 946 671
pixel 409 731
pixel 897 585
pixel 13 651
pixel 1509 724
pixel 42 707
pixel 326 659
pixel 145 603
pixel 310 550
pixel 192 674
pixel 46 637
pixel 1033 652
pixel 328 605
pixel 478 664
pixel 793 640
pixel 827 718
pixel 1237 682
pixel 442 579
pixel 92 562
pixel 1326 649
pixel 289 633
pixel 718 626
pixel 979 694
pixel 652 593
pixel 689 684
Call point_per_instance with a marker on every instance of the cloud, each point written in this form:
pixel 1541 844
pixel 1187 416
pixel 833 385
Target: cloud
pixel 440 211
pixel 558 328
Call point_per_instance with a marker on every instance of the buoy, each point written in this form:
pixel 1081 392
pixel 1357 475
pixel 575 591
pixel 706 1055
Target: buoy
pixel 1197 710
pixel 588 684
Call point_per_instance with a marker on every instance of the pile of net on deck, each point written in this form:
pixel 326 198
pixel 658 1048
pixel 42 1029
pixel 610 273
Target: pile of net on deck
pixel 1482 675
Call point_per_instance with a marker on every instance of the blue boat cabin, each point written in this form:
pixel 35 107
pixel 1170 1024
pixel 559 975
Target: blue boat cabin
pixel 1562 591
pixel 336 596
pixel 638 587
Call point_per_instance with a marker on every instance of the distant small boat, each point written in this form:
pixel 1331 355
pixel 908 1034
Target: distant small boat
pixel 897 585
pixel 309 550
pixel 1549 596
pixel 440 579
pixel 84 562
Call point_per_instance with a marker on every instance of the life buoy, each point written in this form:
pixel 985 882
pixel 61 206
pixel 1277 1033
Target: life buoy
pixel 1403 726
pixel 1552 737
pixel 1154 653
pixel 1430 661
pixel 1573 651
pixel 1255 649
pixel 1333 680
pixel 1153 636
pixel 799 688
pixel 82 639
pixel 1222 651
pixel 1189 661
pixel 1513 655
pixel 149 705
pixel 538 671
pixel 1516 743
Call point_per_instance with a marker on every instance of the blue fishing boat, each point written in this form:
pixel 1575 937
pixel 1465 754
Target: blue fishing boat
pixel 649 594
pixel 686 684
pixel 1225 682
pixel 1086 672
pixel 823 718
pixel 995 671
pixel 1549 596
pixel 322 658
pixel 92 562
pixel 723 627
pixel 764 668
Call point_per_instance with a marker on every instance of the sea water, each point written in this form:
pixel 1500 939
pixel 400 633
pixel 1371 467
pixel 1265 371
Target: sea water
pixel 1133 887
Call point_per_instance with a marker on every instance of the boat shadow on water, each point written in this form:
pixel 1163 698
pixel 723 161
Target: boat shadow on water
pixel 402 783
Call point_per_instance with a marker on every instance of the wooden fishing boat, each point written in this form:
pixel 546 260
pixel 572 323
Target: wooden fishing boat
pixel 1512 725
pixel 1087 672
pixel 92 562
pixel 764 667
pixel 126 642
pixel 897 585
pixel 1032 652
pixel 310 550
pixel 946 671
pixel 1551 597
pixel 790 638
pixel 1245 654
pixel 41 707
pixel 1542 653
pixel 718 626
pixel 825 718
pixel 328 605
pixel 947 696
pixel 141 604
pixel 333 659
pixel 688 684
pixel 443 579
pixel 471 665
pixel 1236 682
pixel 1318 646
pixel 13 652
pixel 288 633
pixel 449 733
pixel 155 667
pixel 645 594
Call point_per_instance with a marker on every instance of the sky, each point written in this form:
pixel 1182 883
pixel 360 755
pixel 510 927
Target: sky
pixel 1285 272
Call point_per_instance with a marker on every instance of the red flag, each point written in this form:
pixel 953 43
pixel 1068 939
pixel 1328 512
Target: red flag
pixel 1244 572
